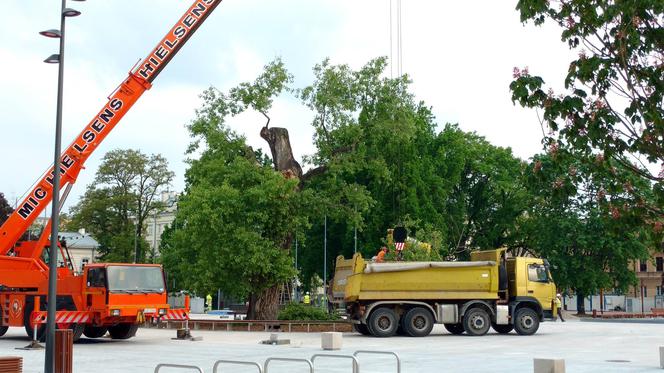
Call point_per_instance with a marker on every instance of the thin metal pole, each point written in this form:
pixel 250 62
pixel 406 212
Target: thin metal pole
pixel 325 260
pixel 296 252
pixel 49 361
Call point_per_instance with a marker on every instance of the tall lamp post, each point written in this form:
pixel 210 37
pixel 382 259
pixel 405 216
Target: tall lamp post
pixel 49 361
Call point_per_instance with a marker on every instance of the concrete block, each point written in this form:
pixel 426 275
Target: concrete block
pixel 549 366
pixel 661 357
pixel 331 340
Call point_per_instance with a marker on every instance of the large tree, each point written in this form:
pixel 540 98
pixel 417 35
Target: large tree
pixel 610 112
pixel 114 208
pixel 576 220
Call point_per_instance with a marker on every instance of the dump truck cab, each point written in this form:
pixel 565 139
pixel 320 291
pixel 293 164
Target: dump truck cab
pixel 489 291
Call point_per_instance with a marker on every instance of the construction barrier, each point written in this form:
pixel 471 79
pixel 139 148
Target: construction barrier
pixel 176 315
pixel 63 317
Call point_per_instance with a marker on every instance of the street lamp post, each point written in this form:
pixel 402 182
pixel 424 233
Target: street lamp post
pixel 49 361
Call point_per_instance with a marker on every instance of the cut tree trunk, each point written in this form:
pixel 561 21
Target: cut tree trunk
pixel 265 306
pixel 282 153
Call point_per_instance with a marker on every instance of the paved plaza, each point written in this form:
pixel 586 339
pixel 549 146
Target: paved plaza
pixel 585 346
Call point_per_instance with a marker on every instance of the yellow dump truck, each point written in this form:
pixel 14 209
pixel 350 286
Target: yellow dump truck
pixel 491 290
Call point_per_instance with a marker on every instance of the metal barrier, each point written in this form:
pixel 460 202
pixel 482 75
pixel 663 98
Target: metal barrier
pixel 356 363
pixel 233 362
pixel 188 367
pixel 309 363
pixel 360 352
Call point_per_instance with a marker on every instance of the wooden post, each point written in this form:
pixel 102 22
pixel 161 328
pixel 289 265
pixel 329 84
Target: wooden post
pixel 64 350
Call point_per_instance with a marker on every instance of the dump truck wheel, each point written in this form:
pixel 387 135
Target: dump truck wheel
pixel 94 331
pixel 417 322
pixel 3 330
pixel 123 331
pixel 362 329
pixel 502 329
pixel 456 329
pixel 476 322
pixel 383 322
pixel 526 321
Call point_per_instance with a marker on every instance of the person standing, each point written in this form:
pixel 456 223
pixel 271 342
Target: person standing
pixel 208 301
pixel 307 299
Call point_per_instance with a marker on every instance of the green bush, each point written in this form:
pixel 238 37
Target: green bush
pixel 299 311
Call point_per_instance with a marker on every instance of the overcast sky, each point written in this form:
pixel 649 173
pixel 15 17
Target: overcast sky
pixel 460 55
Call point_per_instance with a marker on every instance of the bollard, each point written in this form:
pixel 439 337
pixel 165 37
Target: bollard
pixel 64 350
pixel 331 340
pixel 661 357
pixel 549 365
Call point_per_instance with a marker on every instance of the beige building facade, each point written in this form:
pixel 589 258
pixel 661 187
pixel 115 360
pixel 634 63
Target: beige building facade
pixel 158 222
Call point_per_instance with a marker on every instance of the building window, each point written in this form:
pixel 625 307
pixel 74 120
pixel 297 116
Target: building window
pixel 660 264
pixel 659 290
pixel 644 290
pixel 644 266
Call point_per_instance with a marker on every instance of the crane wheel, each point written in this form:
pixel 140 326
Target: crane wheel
pixel 94 331
pixel 123 331
pixel 3 330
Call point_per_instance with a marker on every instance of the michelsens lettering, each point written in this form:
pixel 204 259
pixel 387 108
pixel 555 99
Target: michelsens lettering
pixel 106 115
pixel 40 193
pixel 198 10
pixel 189 21
pixel 26 210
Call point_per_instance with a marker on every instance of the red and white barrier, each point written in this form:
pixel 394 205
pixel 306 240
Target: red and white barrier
pixel 63 317
pixel 176 315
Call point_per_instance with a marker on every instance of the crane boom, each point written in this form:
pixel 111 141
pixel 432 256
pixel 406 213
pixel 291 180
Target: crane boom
pixel 121 100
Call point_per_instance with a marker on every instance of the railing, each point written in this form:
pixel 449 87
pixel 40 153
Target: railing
pixel 308 362
pixel 263 325
pixel 362 352
pixel 235 362
pixel 177 366
pixel 356 363
pixel 284 359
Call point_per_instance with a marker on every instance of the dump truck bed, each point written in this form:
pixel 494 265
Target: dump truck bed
pixel 417 280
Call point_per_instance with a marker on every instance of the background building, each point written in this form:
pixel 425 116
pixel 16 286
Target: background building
pixel 156 223
pixel 82 248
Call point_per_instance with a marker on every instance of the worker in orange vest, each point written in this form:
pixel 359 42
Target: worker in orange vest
pixel 380 258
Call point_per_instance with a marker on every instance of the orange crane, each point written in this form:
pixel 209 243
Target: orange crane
pixel 105 297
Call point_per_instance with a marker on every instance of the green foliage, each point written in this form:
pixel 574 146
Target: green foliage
pixel 304 312
pixel 574 222
pixel 5 209
pixel 614 92
pixel 124 193
pixel 237 213
pixel 387 164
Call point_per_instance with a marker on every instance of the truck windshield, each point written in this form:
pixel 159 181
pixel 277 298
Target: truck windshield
pixel 135 279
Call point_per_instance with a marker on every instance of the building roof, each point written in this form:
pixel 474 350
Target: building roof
pixel 76 240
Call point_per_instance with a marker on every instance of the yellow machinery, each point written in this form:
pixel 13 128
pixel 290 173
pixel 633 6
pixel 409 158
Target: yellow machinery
pixel 383 299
